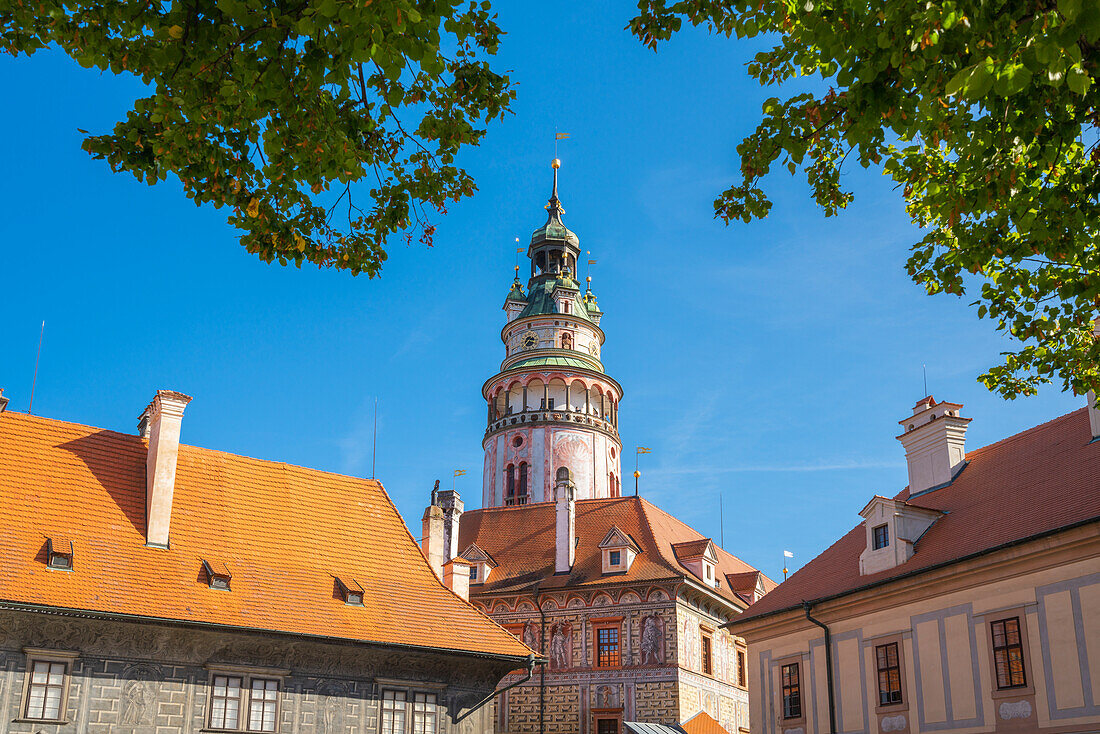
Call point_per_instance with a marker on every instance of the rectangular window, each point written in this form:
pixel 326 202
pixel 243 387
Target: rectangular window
pixel 261 704
pixel 706 655
pixel 424 713
pixel 225 702
pixel 792 692
pixel 742 670
pixel 614 558
pixel 881 536
pixel 473 573
pixel 393 712
pixel 1008 653
pixel 889 674
pixel 607 647
pixel 607 726
pixel 47 686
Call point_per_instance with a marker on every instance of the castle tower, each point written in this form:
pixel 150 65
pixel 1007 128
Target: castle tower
pixel 551 405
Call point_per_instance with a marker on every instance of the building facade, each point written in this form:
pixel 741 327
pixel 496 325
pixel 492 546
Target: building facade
pixel 969 602
pixel 152 587
pixel 626 602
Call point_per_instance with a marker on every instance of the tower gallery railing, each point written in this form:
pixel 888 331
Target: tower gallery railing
pixel 551 416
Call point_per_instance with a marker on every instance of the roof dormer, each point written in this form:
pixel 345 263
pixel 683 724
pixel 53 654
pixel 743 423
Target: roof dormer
pixel 618 550
pixel 481 563
pixel 748 585
pixel 892 528
pixel 699 557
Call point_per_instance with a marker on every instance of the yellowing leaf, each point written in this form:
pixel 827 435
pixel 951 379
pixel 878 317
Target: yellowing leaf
pixel 176 32
pixel 254 208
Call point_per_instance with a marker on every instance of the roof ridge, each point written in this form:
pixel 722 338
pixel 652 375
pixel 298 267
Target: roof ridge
pixel 189 447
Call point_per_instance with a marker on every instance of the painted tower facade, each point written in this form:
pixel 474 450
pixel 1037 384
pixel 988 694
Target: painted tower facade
pixel 551 404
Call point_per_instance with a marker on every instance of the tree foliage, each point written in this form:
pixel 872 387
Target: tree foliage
pixel 984 113
pixel 274 108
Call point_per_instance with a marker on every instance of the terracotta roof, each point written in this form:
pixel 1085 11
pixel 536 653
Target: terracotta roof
pixel 1035 482
pixel 743 581
pixel 285 532
pixel 702 723
pixel 690 548
pixel 521 540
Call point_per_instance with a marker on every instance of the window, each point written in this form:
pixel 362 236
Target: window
pixel 225 702
pixel 473 573
pixel 46 690
pixel 742 670
pixel 510 485
pixel 708 667
pixel 393 712
pixel 233 695
pixel 1008 653
pixel 607 647
pixel 424 713
pixel 261 704
pixel 614 558
pixel 607 726
pixel 59 555
pixel 881 537
pixel 521 490
pixel 792 692
pixel 889 674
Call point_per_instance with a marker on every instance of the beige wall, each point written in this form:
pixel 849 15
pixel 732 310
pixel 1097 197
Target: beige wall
pixel 942 625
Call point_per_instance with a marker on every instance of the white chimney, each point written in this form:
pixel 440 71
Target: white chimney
pixel 160 423
pixel 565 520
pixel 452 506
pixel 934 438
pixel 456 576
pixel 1094 410
pixel 432 533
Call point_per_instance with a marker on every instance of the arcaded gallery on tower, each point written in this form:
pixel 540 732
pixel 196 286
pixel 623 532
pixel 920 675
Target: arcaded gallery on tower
pixel 626 602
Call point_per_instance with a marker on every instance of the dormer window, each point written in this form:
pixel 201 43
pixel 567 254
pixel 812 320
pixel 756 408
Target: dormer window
pixel 473 574
pixel 481 563
pixel 880 536
pixel 217 575
pixel 618 550
pixel 614 558
pixel 351 591
pixel 59 555
pixel 892 529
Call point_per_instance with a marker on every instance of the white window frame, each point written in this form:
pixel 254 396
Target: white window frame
pixel 410 715
pixel 48 657
pixel 248 676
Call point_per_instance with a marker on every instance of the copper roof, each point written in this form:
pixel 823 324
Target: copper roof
pixel 285 533
pixel 521 540
pixel 1036 482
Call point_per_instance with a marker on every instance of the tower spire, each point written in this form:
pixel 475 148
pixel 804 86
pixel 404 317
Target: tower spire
pixel 554 206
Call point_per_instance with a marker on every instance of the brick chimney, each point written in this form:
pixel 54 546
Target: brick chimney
pixel 160 424
pixel 456 576
pixel 432 531
pixel 565 520
pixel 934 438
pixel 452 506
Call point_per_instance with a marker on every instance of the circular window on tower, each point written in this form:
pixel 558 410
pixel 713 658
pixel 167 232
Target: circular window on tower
pixel 517 440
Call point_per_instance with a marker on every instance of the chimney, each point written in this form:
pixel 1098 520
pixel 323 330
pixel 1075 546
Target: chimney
pixel 452 506
pixel 432 532
pixel 456 576
pixel 1094 410
pixel 565 520
pixel 160 423
pixel 934 438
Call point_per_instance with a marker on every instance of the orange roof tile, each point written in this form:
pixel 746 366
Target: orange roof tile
pixel 285 532
pixel 1036 482
pixel 521 541
pixel 702 723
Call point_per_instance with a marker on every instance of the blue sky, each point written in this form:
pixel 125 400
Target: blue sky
pixel 768 363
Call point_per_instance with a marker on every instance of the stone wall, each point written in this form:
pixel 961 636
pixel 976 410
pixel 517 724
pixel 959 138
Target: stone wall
pixel 153 678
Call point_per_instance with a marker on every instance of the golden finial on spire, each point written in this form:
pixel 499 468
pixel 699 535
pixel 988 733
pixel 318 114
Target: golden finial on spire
pixel 556 163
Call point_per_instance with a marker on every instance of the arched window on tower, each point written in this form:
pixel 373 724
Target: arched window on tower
pixel 510 485
pixel 521 490
pixel 613 485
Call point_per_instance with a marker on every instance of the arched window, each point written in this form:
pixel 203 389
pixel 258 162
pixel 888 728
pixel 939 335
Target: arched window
pixel 521 491
pixel 510 484
pixel 613 485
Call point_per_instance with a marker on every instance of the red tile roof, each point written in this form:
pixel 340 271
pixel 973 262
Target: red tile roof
pixel 702 723
pixel 285 532
pixel 521 540
pixel 1035 482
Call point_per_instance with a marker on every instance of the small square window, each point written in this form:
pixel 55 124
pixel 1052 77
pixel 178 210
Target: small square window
pixel 351 590
pixel 880 536
pixel 59 554
pixel 614 558
pixel 217 575
pixel 473 573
